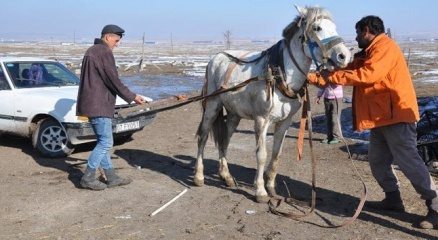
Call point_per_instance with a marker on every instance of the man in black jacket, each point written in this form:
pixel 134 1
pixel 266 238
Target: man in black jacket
pixel 99 86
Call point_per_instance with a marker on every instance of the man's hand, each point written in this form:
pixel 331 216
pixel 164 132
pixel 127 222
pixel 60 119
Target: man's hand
pixel 316 79
pixel 320 78
pixel 324 74
pixel 318 100
pixel 139 99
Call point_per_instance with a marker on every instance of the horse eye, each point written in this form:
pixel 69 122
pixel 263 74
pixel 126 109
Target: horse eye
pixel 317 28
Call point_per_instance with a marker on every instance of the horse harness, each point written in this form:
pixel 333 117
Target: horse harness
pixel 275 76
pixel 324 44
pixel 275 61
pixel 274 73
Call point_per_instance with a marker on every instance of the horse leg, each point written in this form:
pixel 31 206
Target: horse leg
pixel 209 115
pixel 261 128
pixel 271 171
pixel 232 123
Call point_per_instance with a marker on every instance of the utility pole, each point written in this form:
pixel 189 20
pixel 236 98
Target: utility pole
pixel 388 32
pixel 171 43
pixel 142 48
pixel 53 48
pixel 227 37
pixel 142 53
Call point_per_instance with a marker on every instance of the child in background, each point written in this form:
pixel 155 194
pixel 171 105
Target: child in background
pixel 332 95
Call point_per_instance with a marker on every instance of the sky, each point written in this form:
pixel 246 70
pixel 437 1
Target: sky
pixel 200 19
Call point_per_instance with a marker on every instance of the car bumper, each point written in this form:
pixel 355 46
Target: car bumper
pixel 82 132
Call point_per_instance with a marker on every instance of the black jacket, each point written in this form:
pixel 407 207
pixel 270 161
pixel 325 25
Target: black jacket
pixel 100 83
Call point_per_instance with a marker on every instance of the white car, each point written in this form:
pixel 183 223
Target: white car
pixel 38 100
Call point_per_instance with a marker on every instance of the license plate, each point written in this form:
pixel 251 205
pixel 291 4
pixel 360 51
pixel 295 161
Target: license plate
pixel 123 127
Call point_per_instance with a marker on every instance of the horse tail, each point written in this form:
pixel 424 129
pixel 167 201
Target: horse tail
pixel 219 129
pixel 204 101
pixel 205 87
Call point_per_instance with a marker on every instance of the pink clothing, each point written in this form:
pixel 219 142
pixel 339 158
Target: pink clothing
pixel 332 91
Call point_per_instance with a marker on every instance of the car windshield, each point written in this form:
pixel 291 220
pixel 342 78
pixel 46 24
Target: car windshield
pixel 40 74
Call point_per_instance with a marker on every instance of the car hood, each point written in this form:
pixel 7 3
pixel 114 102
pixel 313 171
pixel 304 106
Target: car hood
pixel 59 102
pixel 70 92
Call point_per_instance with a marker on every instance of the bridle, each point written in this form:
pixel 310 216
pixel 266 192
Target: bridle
pixel 312 41
pixel 325 45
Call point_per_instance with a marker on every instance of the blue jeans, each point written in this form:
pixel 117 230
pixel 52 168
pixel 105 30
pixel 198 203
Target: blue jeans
pixel 100 156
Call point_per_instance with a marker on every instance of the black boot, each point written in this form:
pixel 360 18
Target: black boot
pixel 392 202
pixel 431 219
pixel 113 180
pixel 89 180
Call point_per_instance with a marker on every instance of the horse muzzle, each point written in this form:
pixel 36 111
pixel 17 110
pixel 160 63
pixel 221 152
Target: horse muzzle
pixel 340 56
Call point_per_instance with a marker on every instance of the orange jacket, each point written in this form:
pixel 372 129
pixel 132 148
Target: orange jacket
pixel 383 91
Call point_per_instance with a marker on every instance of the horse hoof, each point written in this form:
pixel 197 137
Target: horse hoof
pixel 230 182
pixel 198 182
pixel 272 192
pixel 262 199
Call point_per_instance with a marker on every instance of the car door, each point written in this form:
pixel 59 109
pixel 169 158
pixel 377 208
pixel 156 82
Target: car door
pixel 7 115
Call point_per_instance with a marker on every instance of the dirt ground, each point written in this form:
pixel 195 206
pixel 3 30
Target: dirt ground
pixel 41 199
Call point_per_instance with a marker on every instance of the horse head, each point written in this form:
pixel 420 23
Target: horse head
pixel 321 42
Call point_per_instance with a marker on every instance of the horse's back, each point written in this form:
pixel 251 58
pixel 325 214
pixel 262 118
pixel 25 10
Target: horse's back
pixel 224 69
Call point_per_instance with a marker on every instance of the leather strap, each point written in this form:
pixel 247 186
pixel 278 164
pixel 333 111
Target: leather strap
pixel 303 120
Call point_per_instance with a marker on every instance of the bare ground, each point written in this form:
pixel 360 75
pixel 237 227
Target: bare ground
pixel 41 199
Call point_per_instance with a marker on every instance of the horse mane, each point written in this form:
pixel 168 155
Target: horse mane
pixel 312 14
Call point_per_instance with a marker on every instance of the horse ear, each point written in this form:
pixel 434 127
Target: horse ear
pixel 301 11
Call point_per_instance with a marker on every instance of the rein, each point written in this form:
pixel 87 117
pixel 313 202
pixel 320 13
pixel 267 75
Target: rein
pixel 160 106
pixel 274 203
pixel 240 61
pixel 305 116
pixel 325 45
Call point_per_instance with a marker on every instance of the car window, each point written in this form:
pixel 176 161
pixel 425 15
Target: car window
pixel 4 85
pixel 40 74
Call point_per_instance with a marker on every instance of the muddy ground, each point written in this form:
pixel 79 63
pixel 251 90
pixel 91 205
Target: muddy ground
pixel 41 199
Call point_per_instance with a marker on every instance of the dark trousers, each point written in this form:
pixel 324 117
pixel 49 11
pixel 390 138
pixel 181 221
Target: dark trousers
pixel 332 114
pixel 397 143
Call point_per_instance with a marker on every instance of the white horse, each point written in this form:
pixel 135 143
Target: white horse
pixel 312 35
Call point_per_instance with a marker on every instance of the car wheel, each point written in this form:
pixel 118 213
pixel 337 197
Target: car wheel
pixel 50 139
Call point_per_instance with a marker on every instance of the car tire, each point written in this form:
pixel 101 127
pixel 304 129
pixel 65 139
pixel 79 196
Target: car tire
pixel 51 140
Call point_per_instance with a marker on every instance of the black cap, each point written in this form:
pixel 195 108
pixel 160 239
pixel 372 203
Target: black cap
pixel 111 28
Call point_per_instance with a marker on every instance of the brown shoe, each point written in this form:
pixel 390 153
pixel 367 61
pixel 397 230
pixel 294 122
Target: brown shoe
pixel 430 221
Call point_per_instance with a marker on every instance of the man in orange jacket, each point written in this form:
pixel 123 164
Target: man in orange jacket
pixel 384 101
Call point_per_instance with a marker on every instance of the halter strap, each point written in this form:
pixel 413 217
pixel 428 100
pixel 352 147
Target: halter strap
pixel 325 44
